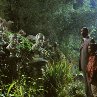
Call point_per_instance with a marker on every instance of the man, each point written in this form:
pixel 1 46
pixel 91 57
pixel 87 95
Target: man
pixel 84 60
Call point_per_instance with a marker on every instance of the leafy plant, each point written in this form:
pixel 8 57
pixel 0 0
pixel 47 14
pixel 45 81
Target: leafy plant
pixel 55 78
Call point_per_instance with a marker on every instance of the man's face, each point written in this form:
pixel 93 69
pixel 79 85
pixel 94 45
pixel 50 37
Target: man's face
pixel 84 33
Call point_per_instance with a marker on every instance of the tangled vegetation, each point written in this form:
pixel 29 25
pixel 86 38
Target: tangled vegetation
pixel 41 61
pixel 32 66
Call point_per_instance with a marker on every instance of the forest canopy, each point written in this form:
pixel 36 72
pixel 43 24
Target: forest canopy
pixel 58 20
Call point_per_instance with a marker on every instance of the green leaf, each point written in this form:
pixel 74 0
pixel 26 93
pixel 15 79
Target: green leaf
pixel 11 86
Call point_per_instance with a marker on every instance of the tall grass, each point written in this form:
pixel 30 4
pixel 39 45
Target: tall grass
pixel 56 81
pixel 56 77
pixel 22 88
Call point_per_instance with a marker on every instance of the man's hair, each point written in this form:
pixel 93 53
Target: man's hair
pixel 84 31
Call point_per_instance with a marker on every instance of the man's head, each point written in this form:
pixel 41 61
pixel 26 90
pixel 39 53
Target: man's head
pixel 84 32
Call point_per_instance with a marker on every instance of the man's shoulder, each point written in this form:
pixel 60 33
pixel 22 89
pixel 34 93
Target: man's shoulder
pixel 90 39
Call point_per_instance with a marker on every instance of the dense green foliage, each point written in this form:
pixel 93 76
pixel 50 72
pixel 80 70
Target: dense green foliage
pixel 22 76
pixel 60 21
